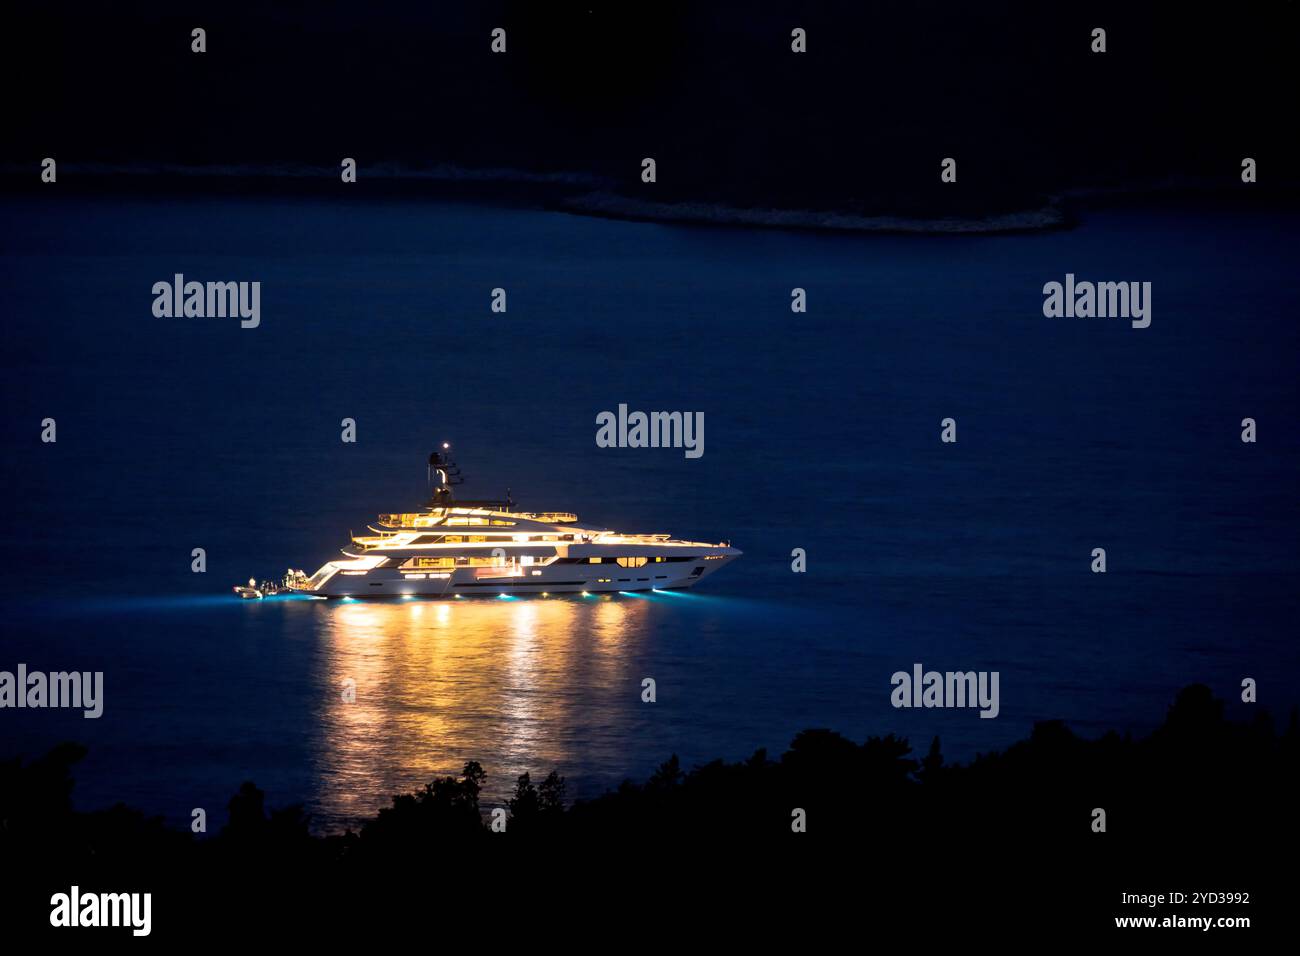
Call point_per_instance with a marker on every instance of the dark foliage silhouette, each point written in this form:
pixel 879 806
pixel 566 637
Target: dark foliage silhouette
pixel 1198 780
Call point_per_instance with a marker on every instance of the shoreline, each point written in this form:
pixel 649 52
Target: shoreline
pixel 609 205
pixel 587 194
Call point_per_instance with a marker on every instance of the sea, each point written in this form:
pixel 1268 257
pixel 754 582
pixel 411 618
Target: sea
pixel 822 451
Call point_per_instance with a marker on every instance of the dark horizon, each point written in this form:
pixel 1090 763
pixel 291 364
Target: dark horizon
pixel 732 116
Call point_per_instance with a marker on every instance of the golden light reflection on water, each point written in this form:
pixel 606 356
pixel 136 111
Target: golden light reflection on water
pixel 515 684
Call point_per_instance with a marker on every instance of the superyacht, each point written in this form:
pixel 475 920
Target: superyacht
pixel 462 549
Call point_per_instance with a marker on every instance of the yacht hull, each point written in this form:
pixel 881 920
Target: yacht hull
pixel 560 579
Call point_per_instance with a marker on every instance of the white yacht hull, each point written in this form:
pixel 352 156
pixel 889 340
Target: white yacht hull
pixel 550 579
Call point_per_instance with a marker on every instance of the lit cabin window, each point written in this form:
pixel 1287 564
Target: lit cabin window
pixel 632 562
pixel 593 560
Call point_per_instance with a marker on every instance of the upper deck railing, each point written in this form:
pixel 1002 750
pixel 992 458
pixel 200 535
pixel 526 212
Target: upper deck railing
pixel 409 520
pixel 547 517
pixel 429 519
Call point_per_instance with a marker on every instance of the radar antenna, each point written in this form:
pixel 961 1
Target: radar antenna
pixel 443 474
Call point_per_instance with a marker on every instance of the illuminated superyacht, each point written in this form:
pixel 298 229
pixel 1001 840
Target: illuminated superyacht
pixel 466 548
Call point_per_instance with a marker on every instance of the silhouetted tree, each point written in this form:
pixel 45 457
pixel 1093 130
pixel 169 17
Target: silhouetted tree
pixel 667 776
pixel 550 794
pixel 1188 776
pixel 524 804
pixel 932 764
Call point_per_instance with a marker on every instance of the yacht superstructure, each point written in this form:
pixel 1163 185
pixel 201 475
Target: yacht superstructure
pixel 467 548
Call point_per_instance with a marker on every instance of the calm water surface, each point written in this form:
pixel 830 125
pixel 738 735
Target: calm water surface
pixel 821 433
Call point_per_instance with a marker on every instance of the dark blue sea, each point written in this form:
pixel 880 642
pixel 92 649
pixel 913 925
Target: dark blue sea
pixel 821 432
